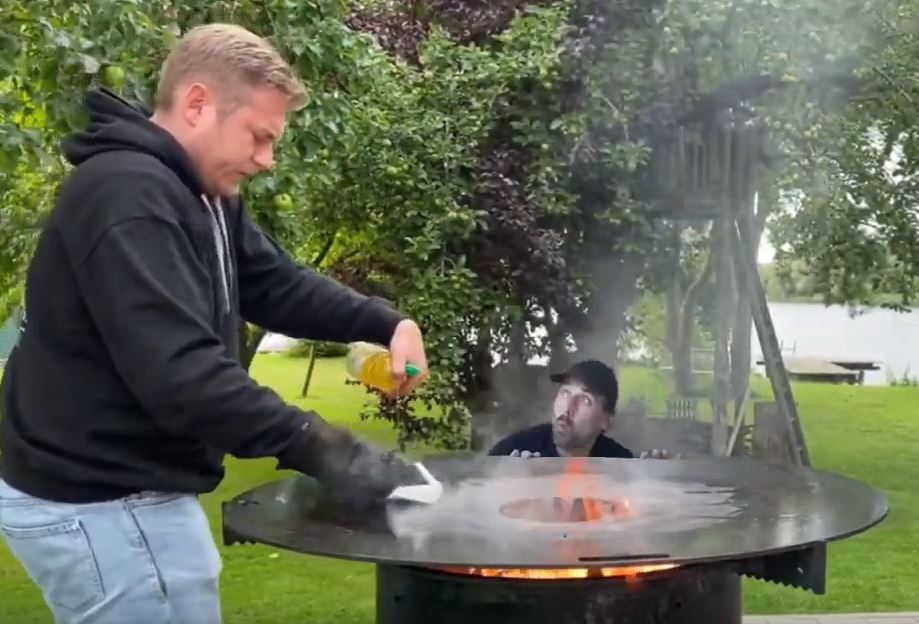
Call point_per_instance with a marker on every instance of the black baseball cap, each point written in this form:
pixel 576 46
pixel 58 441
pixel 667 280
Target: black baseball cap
pixel 597 377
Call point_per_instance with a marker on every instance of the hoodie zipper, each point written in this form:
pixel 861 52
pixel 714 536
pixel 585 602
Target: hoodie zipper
pixel 222 246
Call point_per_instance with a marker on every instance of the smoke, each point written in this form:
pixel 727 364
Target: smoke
pixel 768 73
pixel 520 396
pixel 521 393
pixel 470 511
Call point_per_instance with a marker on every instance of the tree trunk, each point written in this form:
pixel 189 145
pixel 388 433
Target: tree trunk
pixel 724 296
pixel 309 371
pixel 479 376
pixel 516 349
pixel 685 321
pixel 556 337
pixel 674 309
pixel 674 293
pixel 741 355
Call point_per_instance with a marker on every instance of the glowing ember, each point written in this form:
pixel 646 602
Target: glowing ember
pixel 567 508
pixel 549 574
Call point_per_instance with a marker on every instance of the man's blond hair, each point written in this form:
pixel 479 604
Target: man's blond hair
pixel 231 59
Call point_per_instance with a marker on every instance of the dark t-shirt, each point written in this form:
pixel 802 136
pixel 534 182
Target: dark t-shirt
pixel 538 439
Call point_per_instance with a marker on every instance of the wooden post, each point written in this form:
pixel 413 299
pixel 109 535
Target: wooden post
pixel 741 231
pixel 740 414
pixel 772 355
pixel 720 149
pixel 771 441
pixel 744 192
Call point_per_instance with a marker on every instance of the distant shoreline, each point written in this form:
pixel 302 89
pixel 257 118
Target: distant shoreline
pixel 816 300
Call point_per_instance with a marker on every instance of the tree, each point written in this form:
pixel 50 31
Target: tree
pixel 495 169
pixel 847 202
pixel 372 176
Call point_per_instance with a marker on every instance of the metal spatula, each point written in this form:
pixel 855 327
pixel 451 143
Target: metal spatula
pixel 427 493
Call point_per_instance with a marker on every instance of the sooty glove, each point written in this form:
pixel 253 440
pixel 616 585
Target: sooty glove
pixel 352 471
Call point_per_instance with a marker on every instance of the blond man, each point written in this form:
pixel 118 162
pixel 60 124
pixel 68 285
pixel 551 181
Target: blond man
pixel 124 393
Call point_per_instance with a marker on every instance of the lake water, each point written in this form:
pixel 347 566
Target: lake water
pixel 814 330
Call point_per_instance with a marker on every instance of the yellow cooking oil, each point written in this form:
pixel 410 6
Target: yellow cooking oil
pixel 371 364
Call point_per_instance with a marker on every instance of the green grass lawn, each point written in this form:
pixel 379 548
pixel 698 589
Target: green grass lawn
pixel 869 433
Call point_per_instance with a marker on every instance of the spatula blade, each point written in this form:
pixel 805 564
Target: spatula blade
pixel 427 493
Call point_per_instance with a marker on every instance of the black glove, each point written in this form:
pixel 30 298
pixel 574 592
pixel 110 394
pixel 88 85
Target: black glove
pixel 351 471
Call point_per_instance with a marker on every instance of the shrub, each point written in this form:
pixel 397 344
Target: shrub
pixel 323 349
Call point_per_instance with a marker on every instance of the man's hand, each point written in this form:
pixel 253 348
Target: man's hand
pixel 407 347
pixel 524 454
pixel 351 470
pixel 658 454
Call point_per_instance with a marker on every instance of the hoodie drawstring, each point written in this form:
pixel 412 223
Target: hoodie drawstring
pixel 222 245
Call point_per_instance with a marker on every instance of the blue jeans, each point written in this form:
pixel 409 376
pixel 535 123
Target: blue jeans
pixel 146 558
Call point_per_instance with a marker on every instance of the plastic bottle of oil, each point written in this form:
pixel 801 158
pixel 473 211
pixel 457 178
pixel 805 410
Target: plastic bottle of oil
pixel 372 365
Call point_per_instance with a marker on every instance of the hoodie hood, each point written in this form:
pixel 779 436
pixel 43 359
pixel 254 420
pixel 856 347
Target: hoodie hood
pixel 116 124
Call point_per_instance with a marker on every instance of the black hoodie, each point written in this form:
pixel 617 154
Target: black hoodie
pixel 126 377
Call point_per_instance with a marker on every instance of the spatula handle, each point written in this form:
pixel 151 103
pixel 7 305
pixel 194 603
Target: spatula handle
pixel 426 473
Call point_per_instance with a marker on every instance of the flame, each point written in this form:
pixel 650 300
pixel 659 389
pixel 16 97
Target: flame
pixel 574 474
pixel 548 574
pixel 575 487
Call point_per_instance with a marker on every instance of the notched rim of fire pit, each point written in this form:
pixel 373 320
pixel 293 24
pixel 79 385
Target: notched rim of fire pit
pixel 781 508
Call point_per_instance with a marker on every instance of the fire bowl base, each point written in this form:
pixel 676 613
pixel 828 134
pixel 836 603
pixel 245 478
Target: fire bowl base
pixel 417 595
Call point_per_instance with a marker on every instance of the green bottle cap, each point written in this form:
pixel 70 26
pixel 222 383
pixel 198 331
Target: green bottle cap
pixel 411 370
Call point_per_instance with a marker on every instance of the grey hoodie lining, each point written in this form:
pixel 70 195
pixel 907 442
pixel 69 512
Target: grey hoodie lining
pixel 222 245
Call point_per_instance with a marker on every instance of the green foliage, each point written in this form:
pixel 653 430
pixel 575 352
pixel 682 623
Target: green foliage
pixel 905 379
pixel 851 217
pixel 795 281
pixel 487 166
pixel 372 177
pixel 648 331
pixel 21 208
pixel 303 349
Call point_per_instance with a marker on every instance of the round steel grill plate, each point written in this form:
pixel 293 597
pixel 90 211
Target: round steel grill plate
pixel 680 511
